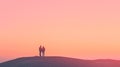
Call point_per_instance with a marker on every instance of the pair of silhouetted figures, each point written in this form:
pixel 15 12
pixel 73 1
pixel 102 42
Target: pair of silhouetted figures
pixel 42 51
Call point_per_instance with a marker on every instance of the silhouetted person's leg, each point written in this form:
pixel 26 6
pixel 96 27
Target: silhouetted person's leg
pixel 40 54
pixel 43 53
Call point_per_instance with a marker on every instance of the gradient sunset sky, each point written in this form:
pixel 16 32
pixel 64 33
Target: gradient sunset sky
pixel 87 29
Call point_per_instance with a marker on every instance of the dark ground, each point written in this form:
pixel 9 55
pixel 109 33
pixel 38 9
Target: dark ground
pixel 59 62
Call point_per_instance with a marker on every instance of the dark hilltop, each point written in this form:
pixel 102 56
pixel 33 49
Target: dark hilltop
pixel 54 61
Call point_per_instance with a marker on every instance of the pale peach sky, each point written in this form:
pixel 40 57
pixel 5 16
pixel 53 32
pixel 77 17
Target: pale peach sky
pixel 87 29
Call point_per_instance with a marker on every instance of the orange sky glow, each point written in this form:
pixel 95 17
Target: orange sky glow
pixel 87 29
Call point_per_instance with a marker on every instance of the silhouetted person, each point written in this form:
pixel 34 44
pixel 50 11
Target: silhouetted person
pixel 42 51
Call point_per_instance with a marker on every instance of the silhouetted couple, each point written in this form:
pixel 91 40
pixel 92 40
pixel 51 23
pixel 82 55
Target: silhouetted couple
pixel 42 51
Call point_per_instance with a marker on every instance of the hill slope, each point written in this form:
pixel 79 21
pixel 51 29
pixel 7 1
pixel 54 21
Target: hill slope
pixel 58 62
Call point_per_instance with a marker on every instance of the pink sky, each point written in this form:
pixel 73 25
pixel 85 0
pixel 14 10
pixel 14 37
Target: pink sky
pixel 87 29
